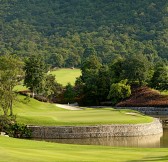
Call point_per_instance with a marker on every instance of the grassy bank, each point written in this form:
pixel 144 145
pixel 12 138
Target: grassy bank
pixel 17 150
pixel 39 113
pixel 63 76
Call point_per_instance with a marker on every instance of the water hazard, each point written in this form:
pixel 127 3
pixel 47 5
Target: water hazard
pixel 153 141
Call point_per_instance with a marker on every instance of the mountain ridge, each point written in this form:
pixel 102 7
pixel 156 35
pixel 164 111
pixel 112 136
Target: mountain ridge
pixel 67 28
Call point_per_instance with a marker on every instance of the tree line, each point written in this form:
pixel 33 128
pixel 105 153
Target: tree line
pixel 113 82
pixel 97 83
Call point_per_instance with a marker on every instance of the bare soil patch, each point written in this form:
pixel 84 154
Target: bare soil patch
pixel 145 97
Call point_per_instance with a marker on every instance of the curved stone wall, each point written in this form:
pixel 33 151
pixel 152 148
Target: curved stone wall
pixel 148 110
pixel 115 130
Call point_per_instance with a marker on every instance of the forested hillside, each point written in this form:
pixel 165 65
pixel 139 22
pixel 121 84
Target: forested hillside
pixel 65 31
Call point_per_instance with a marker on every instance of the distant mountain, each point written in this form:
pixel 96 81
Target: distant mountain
pixel 66 29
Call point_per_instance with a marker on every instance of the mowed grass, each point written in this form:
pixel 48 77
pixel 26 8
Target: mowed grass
pixel 19 150
pixel 64 76
pixel 39 113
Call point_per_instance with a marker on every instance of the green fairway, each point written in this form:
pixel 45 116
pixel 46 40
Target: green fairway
pixel 39 113
pixel 18 150
pixel 63 76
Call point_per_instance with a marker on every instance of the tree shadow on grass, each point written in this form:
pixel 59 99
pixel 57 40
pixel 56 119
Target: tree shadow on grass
pixel 148 159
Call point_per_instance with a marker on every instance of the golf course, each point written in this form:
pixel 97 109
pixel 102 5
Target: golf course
pixel 38 113
pixel 84 81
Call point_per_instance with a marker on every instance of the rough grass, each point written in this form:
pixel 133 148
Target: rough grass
pixel 145 97
pixel 64 76
pixel 18 150
pixel 39 113
pixel 164 92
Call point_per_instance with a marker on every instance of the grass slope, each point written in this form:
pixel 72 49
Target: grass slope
pixel 63 76
pixel 39 113
pixel 17 150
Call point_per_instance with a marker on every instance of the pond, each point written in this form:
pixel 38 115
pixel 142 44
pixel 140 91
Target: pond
pixel 153 141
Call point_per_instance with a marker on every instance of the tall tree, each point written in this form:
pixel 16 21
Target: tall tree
pixel 103 83
pixel 89 79
pixel 10 72
pixel 136 69
pixel 116 69
pixel 91 62
pixel 49 86
pixel 160 78
pixel 35 71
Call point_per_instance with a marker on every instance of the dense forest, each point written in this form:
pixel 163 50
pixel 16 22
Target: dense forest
pixel 66 31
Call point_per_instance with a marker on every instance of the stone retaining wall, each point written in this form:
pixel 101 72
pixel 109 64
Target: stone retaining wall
pixel 148 110
pixel 115 130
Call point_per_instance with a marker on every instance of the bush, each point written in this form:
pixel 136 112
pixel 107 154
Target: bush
pixel 5 122
pixel 12 128
pixel 19 131
pixel 119 91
